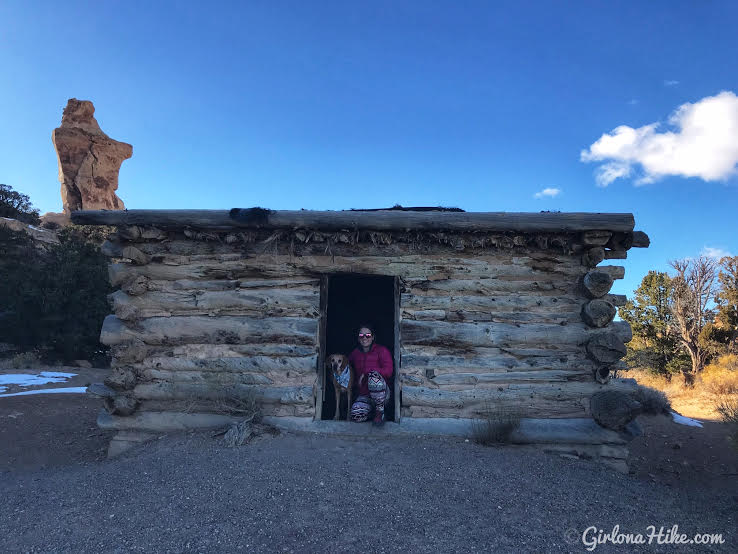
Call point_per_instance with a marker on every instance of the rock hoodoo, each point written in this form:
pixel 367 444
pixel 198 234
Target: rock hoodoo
pixel 89 160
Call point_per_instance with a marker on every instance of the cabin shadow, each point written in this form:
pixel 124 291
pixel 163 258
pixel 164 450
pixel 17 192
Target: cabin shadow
pixel 353 300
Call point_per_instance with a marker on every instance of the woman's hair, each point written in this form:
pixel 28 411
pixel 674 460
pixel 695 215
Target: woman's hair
pixel 366 325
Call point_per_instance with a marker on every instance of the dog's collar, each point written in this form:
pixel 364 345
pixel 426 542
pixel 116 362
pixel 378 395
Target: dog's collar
pixel 343 377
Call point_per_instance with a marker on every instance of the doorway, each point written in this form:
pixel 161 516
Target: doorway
pixel 348 300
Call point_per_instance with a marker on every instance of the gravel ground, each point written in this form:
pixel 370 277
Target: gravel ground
pixel 312 493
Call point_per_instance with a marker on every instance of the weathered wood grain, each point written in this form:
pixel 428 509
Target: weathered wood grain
pixel 415 267
pixel 199 329
pixel 262 394
pixel 498 378
pixel 222 379
pixel 494 359
pixel 257 302
pixel 450 315
pixel 598 313
pixel 501 334
pixel 250 364
pixel 523 394
pixel 496 303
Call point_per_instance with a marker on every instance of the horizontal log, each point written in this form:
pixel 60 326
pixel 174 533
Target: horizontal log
pixel 497 360
pixel 274 302
pixel 199 329
pixel 491 316
pixel 359 245
pixel 541 408
pixel 252 364
pixel 538 261
pixel 204 406
pixel 496 303
pixel 425 267
pixel 164 421
pixel 229 378
pixel 194 285
pixel 488 287
pixel 380 220
pixel 501 334
pixel 524 394
pixel 262 394
pixel 474 379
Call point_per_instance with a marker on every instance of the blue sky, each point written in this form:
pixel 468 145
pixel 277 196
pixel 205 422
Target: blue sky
pixel 343 104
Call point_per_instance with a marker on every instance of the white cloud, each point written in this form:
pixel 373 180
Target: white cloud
pixel 550 192
pixel 632 102
pixel 704 144
pixel 671 83
pixel 712 252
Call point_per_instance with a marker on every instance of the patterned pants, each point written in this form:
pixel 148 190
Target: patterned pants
pixel 378 398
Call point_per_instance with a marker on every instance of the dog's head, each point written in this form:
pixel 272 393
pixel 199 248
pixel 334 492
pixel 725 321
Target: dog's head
pixel 336 362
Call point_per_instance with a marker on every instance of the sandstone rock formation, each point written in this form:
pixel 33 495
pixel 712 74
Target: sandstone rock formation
pixel 89 160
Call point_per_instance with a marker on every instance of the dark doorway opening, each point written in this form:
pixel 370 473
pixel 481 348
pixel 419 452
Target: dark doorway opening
pixel 353 300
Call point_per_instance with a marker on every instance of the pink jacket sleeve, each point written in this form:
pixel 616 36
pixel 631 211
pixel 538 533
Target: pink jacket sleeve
pixel 385 362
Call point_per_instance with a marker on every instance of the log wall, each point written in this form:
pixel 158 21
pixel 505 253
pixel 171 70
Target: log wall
pixel 202 319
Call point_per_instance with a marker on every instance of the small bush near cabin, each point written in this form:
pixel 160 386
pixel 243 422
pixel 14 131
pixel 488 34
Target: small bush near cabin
pixel 495 426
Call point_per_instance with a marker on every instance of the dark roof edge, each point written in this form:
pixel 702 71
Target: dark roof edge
pixel 540 222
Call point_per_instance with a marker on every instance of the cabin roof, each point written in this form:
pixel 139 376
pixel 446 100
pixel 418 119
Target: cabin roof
pixel 379 220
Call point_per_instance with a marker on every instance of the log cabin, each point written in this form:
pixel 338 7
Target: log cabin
pixel 497 311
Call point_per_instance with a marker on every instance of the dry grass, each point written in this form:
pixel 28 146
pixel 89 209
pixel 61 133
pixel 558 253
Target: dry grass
pixel 653 401
pixel 721 377
pixel 728 410
pixel 495 426
pixel 717 384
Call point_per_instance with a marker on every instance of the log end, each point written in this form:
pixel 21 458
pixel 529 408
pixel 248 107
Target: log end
pixel 641 240
pixel 614 409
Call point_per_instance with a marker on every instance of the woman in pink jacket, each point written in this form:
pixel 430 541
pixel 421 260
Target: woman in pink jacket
pixel 372 365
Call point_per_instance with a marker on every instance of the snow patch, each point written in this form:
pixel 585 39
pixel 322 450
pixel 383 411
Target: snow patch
pixel 77 390
pixel 681 420
pixel 28 380
pixel 3 389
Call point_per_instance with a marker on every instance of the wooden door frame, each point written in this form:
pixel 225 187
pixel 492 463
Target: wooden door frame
pixel 397 389
pixel 322 337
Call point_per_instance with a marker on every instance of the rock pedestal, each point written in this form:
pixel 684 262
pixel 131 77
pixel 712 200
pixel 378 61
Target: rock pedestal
pixel 89 160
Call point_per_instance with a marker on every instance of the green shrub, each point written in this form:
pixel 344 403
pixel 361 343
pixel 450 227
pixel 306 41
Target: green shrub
pixel 15 205
pixel 53 300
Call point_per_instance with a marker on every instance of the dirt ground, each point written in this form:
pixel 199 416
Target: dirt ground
pixel 43 437
pixel 41 431
pixel 47 430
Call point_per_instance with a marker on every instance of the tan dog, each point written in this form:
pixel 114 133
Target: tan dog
pixel 343 380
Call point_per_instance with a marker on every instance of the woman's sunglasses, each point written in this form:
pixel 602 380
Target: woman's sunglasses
pixel 365 335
